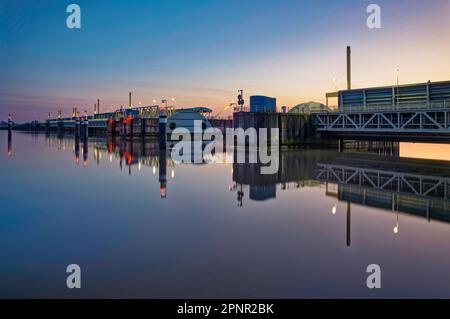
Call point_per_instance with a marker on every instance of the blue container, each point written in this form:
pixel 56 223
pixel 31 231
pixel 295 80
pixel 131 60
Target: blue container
pixel 263 104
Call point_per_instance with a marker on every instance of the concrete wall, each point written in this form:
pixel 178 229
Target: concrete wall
pixel 294 129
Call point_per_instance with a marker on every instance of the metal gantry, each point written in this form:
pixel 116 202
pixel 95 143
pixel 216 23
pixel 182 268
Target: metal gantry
pixel 385 121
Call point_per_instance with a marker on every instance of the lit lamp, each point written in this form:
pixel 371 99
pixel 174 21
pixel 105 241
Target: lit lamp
pixel 334 209
pixel 396 227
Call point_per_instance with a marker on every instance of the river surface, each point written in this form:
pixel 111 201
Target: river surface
pixel 140 225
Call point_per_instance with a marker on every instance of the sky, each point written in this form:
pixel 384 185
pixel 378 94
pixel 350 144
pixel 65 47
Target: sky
pixel 203 51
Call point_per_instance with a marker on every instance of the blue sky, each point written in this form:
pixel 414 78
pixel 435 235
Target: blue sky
pixel 201 52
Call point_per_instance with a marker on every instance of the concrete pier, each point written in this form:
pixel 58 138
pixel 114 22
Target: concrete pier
pixel 84 128
pixel 162 130
pixel 10 122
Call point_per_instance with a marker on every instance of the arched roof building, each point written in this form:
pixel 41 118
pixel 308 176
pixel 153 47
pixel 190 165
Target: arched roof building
pixel 309 107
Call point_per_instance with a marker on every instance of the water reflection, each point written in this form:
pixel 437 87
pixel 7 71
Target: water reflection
pixel 173 223
pixel 9 143
pixel 364 173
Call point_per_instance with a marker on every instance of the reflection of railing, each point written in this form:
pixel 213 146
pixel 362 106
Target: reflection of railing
pixel 406 183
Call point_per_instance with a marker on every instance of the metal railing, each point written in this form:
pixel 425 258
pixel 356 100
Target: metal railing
pixel 400 106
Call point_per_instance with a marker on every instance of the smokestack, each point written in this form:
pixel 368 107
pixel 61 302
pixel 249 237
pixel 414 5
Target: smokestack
pixel 98 106
pixel 349 68
pixel 129 101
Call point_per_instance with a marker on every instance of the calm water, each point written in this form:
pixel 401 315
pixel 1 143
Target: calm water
pixel 220 230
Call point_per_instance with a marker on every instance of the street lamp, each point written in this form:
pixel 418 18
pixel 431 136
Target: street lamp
pixel 335 84
pixel 163 101
pixel 397 70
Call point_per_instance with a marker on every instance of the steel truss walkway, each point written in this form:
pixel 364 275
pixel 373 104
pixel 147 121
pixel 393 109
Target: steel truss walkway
pixel 416 122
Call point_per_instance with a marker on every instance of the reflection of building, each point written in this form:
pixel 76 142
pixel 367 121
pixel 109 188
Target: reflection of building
pixel 295 171
pixel 263 104
pixel 263 192
pixel 400 185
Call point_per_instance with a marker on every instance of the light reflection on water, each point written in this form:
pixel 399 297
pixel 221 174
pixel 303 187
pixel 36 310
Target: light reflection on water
pixel 140 225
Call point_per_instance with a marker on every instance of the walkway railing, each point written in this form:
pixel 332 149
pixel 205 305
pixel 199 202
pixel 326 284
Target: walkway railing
pixel 399 106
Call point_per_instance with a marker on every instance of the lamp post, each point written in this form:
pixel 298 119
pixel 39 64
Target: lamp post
pixel 241 99
pixel 335 84
pixel 397 70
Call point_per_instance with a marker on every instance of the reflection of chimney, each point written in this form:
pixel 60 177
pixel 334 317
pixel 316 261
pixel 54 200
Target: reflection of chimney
pixel 349 224
pixel 349 68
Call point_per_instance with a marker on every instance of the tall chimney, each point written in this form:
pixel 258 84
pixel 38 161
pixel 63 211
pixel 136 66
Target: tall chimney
pixel 349 68
pixel 98 106
pixel 129 101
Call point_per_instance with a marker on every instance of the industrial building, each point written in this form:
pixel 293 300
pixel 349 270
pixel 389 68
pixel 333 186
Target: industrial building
pixel 435 95
pixel 263 104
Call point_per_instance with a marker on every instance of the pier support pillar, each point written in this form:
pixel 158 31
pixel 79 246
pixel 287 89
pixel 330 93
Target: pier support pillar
pixel 111 126
pixel 162 130
pixel 85 128
pixel 60 127
pixel 341 146
pixel 77 128
pixel 131 127
pixel 10 123
pixel 143 126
